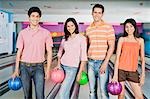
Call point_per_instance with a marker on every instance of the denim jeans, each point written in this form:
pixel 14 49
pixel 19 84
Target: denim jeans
pixel 27 73
pixel 70 74
pixel 93 74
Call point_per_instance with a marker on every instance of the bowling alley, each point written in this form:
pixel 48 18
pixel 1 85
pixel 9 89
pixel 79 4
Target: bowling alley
pixel 74 49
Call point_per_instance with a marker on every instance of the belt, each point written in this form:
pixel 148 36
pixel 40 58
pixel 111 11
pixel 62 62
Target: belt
pixel 90 59
pixel 31 64
pixel 93 59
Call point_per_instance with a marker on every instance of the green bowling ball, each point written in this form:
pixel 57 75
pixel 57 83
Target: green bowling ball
pixel 84 79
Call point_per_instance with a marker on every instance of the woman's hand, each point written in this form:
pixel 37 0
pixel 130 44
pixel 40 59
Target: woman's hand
pixel 78 76
pixel 115 78
pixel 142 80
pixel 58 66
pixel 47 74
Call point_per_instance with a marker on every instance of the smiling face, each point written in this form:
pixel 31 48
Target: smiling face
pixel 97 14
pixel 129 28
pixel 34 19
pixel 71 27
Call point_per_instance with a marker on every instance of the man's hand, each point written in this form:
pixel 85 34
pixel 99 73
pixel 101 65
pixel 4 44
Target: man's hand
pixel 142 80
pixel 15 74
pixel 103 67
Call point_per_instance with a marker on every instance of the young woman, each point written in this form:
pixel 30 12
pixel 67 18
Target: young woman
pixel 129 48
pixel 72 51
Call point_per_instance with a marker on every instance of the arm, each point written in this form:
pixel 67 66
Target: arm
pixel 108 55
pixel 118 53
pixel 58 62
pixel 49 61
pixel 60 52
pixel 110 51
pixel 142 77
pixel 87 40
pixel 111 43
pixel 83 57
pixel 20 46
pixel 49 45
pixel 18 58
pixel 82 64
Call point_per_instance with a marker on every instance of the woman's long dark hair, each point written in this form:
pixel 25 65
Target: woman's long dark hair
pixel 133 22
pixel 67 33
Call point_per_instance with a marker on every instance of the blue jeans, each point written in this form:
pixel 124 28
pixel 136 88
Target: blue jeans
pixel 27 73
pixel 93 74
pixel 70 74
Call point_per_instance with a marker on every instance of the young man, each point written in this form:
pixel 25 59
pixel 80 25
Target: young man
pixel 32 42
pixel 101 46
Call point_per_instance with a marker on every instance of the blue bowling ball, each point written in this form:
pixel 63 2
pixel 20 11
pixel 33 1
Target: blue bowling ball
pixel 14 84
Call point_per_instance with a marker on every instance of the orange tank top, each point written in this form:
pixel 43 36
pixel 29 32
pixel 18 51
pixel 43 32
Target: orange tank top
pixel 129 56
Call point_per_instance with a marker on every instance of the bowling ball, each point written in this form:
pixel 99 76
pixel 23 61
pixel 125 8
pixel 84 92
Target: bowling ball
pixel 84 79
pixel 14 84
pixel 114 88
pixel 57 75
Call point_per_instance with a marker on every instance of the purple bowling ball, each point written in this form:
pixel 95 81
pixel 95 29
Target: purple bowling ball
pixel 114 88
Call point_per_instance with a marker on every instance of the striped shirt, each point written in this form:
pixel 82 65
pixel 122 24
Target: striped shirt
pixel 98 36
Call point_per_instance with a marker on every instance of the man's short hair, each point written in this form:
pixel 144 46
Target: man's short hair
pixel 34 9
pixel 98 6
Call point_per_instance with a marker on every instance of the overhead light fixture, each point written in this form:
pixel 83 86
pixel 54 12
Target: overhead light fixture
pixel 50 23
pixel 47 6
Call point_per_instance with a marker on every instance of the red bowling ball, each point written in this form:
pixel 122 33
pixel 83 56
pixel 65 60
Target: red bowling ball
pixel 114 88
pixel 57 75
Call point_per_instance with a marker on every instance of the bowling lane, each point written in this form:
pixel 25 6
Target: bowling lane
pixel 19 94
pixel 6 75
pixel 83 92
pixel 147 59
pixel 6 66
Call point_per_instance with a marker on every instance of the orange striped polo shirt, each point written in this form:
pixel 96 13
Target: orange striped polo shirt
pixel 129 56
pixel 98 36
